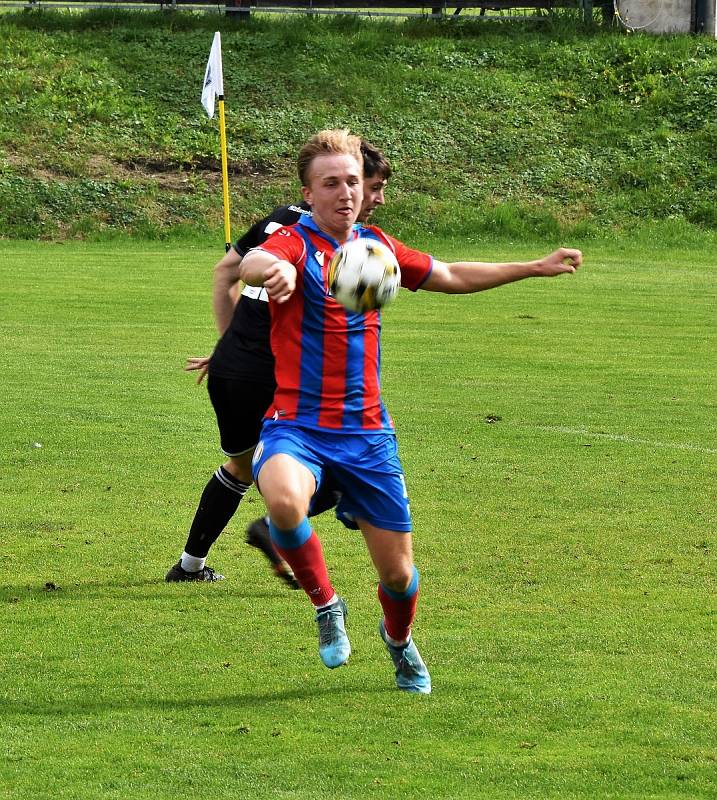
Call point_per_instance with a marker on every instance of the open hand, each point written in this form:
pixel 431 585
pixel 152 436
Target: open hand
pixel 199 364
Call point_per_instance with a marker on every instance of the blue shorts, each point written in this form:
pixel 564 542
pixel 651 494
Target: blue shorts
pixel 364 467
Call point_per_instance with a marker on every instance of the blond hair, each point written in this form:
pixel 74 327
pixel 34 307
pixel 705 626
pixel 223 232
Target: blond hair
pixel 329 142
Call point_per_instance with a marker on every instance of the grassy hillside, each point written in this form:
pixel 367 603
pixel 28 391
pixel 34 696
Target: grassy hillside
pixel 514 130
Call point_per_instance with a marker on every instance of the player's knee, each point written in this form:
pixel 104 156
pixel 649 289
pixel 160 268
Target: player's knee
pixel 287 508
pixel 397 577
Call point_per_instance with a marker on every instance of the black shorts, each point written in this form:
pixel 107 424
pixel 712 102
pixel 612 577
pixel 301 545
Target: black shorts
pixel 240 406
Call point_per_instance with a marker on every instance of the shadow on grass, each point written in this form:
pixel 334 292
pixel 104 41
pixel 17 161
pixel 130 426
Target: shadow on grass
pixel 52 591
pixel 250 700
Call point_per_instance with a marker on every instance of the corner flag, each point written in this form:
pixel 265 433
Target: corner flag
pixel 213 76
pixel 214 89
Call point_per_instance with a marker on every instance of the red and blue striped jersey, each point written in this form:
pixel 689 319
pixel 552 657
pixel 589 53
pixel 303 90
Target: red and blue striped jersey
pixel 328 359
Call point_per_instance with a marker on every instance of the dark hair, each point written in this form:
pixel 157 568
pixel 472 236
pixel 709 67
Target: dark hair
pixel 375 162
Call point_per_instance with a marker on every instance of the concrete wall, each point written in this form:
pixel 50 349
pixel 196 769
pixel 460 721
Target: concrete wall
pixel 664 16
pixel 712 18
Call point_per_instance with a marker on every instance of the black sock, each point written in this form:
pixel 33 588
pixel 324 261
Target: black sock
pixel 220 499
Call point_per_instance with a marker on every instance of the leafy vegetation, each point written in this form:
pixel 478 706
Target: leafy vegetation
pixel 517 130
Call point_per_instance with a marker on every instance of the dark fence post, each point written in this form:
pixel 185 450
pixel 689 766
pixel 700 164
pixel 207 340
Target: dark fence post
pixel 237 8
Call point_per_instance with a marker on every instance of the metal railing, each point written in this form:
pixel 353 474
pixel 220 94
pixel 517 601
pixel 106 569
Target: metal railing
pixel 382 8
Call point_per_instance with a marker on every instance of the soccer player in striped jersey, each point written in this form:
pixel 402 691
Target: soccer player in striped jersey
pixel 327 416
pixel 241 386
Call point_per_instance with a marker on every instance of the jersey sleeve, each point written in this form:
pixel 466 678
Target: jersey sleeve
pixel 260 231
pixel 416 266
pixel 286 244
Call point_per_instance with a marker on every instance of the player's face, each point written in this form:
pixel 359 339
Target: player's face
pixel 335 193
pixel 373 197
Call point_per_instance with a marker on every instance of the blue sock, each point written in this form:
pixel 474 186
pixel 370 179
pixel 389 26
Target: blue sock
pixel 293 537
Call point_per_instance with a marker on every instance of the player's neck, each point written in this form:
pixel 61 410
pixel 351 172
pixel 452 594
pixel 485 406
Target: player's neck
pixel 340 232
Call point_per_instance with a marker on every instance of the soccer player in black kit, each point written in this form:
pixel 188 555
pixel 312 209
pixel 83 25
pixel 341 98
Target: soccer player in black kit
pixel 241 387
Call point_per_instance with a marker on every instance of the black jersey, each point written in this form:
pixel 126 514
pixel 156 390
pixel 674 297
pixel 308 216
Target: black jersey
pixel 244 351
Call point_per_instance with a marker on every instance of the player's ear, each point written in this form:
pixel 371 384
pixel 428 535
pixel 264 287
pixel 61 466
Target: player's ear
pixel 306 192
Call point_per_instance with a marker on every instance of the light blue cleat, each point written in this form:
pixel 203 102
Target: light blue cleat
pixel 411 673
pixel 334 645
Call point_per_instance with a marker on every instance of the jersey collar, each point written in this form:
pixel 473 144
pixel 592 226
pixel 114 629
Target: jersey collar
pixel 308 222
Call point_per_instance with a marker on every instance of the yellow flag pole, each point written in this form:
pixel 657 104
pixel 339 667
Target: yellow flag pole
pixel 225 174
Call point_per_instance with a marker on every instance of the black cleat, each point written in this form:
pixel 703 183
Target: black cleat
pixel 257 535
pixel 286 574
pixel 178 573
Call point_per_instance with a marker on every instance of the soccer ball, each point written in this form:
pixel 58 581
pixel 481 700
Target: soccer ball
pixel 363 275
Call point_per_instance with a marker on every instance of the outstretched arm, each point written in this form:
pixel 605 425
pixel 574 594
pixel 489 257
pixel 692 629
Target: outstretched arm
pixel 278 277
pixel 465 277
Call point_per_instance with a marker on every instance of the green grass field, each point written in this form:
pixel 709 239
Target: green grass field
pixel 566 548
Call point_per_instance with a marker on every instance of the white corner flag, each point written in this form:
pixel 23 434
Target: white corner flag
pixel 214 90
pixel 213 77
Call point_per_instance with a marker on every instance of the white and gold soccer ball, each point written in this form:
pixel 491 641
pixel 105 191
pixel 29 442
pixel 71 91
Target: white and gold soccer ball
pixel 363 275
